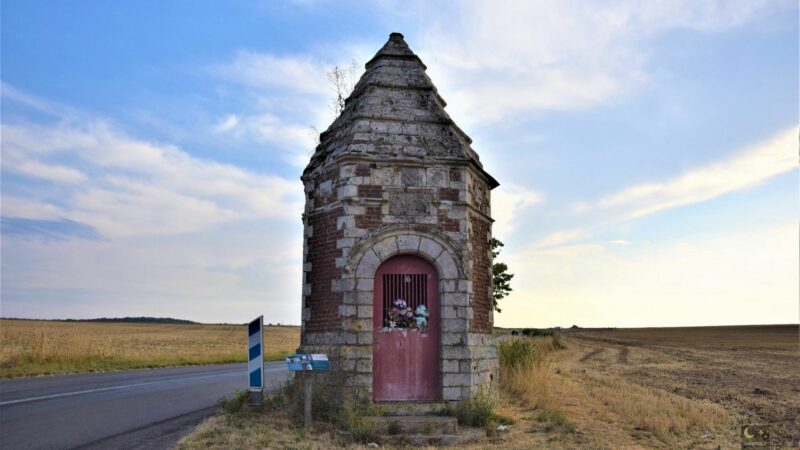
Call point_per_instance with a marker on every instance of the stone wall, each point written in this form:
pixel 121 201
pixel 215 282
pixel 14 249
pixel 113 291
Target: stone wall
pixel 381 209
pixel 393 174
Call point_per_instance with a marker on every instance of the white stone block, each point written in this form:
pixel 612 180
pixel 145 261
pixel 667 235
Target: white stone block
pixel 407 242
pixel 455 352
pixel 454 326
pixel 385 248
pixel 450 366
pixel 364 297
pixel 325 188
pixel 347 310
pixel 455 379
pixel 447 266
pixel 368 265
pixel 431 248
pixel 452 394
pixel 365 284
pixel 454 299
pixel 452 339
pixel 347 191
pixel 365 312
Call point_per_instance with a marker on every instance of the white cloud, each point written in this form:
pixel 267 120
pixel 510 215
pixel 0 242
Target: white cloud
pixel 228 123
pixel 37 169
pixel 508 204
pixel 137 187
pixel 748 168
pixel 560 237
pixel 185 236
pixel 493 60
pixel 299 73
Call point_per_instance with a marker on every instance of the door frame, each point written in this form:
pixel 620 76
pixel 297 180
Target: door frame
pixel 430 340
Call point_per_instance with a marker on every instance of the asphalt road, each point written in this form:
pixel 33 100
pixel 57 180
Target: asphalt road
pixel 149 409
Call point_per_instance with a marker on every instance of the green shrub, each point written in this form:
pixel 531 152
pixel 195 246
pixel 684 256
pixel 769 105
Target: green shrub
pixel 532 332
pixel 517 354
pixel 236 405
pixel 475 412
pixel 556 419
pixel 327 406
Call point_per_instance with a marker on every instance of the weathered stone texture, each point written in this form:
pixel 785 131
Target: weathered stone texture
pixel 394 175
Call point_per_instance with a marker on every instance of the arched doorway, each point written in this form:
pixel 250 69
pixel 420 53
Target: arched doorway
pixel 405 355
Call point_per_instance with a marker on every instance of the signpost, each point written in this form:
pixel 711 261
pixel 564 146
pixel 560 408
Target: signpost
pixel 255 365
pixel 304 362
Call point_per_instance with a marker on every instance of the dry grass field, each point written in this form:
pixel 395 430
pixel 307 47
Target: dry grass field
pixel 752 373
pixel 615 389
pixel 35 347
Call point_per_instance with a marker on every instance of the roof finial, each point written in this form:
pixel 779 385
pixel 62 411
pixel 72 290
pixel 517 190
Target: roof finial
pixel 396 35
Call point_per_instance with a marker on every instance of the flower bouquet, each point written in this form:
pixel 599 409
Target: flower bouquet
pixel 403 316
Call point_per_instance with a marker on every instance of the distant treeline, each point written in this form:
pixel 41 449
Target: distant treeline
pixel 164 320
pixel 135 320
pixel 536 332
pixel 113 320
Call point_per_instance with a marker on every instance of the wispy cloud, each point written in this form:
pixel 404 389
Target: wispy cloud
pixel 48 230
pixel 746 169
pixel 295 141
pixel 264 71
pixel 494 60
pixel 508 204
pixel 124 186
pixel 98 222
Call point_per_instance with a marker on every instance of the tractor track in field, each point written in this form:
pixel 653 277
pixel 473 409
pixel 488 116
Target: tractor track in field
pixel 591 354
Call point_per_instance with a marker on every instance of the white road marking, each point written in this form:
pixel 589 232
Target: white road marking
pixel 126 386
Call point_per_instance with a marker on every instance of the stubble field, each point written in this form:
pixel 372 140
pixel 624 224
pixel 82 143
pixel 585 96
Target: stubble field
pixel 36 347
pixel 751 373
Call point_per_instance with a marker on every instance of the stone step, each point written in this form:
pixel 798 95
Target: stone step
pixel 419 425
pixel 410 408
pixel 464 436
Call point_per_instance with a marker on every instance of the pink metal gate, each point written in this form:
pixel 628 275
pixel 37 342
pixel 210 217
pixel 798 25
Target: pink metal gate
pixel 405 360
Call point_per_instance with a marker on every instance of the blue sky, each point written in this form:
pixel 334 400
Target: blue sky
pixel 647 152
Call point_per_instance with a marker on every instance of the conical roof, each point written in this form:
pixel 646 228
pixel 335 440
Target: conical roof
pixel 395 113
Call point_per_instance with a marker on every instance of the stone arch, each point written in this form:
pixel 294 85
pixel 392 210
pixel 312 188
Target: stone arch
pixel 420 240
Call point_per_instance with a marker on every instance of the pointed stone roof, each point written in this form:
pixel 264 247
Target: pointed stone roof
pixel 395 113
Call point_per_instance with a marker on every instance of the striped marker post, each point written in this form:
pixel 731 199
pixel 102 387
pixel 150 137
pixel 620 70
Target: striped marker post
pixel 255 365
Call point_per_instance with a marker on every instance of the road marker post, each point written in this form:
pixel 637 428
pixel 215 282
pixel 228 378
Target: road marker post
pixel 308 364
pixel 255 364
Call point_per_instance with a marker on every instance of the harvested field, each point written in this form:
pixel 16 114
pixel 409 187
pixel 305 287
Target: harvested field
pixel 36 347
pixel 751 372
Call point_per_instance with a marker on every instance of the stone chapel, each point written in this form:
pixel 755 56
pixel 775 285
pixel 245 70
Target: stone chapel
pixel 397 273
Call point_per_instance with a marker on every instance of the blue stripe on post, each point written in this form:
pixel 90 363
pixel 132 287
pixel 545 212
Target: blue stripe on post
pixel 252 328
pixel 255 378
pixel 255 351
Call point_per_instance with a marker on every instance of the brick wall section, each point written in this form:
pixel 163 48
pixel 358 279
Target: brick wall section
pixel 448 194
pixel 445 223
pixel 481 276
pixel 371 191
pixel 322 254
pixel 371 219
